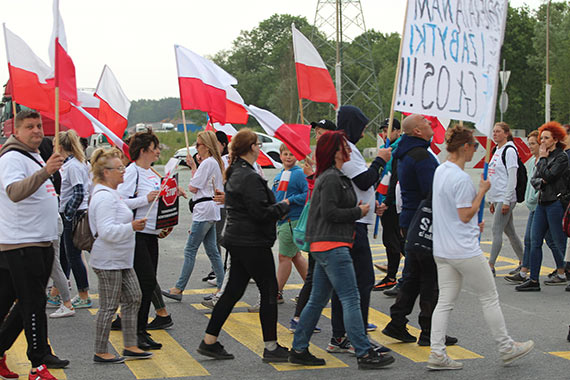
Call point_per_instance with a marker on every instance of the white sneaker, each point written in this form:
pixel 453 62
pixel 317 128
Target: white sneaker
pixel 62 312
pixel 212 282
pixel 442 362
pixel 517 351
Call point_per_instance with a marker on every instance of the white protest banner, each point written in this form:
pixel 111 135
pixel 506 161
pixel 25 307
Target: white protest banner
pixel 450 59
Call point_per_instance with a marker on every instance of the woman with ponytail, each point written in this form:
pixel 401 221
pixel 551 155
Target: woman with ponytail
pixel 249 235
pixel 205 180
pixel 458 255
pixel 73 203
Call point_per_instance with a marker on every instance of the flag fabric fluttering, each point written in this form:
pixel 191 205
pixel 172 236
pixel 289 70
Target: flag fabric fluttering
pixel 314 81
pixel 64 69
pixel 29 76
pixel 114 104
pixel 202 84
pixel 274 126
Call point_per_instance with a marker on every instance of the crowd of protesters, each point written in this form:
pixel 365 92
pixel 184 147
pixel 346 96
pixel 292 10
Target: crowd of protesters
pixel 331 199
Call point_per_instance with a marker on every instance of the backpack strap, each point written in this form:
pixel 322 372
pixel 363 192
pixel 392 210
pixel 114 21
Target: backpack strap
pixel 504 155
pixel 27 154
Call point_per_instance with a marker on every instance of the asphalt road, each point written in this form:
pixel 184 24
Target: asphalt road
pixel 541 316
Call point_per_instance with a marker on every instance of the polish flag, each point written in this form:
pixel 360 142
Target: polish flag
pixel 29 76
pixel 314 81
pixel 235 107
pixel 202 83
pixel 114 106
pixel 384 184
pixel 292 137
pixel 284 181
pixel 64 73
pixel 263 160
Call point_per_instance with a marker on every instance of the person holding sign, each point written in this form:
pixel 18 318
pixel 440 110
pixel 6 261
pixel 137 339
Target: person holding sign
pixel 205 180
pixel 502 195
pixel 112 257
pixel 458 255
pixel 139 190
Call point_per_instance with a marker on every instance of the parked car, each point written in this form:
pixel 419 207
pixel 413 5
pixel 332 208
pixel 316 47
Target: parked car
pixel 270 147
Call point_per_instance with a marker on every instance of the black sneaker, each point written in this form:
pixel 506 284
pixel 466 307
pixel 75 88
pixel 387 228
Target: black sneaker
pixel 210 276
pixel 305 358
pixel 145 342
pixel 567 288
pixel 516 278
pixel 116 325
pixel 516 270
pixel 568 337
pixel 53 362
pixel 378 347
pixel 215 350
pixel 528 286
pixel 280 354
pixel 374 360
pixel 399 334
pixel 392 292
pixel 131 355
pixel 424 340
pixel 160 323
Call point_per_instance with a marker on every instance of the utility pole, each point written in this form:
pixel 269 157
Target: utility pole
pixel 548 86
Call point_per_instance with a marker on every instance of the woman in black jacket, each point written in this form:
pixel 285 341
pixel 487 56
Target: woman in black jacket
pixel 330 231
pixel 249 234
pixel 550 179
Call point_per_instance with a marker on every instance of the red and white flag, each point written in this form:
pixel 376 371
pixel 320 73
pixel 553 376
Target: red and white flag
pixel 314 81
pixel 236 111
pixel 64 69
pixel 384 184
pixel 29 76
pixel 274 126
pixel 202 83
pixel 284 181
pixel 114 106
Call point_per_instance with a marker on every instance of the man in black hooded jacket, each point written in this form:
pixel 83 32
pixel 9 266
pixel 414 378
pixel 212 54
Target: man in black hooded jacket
pixel 352 121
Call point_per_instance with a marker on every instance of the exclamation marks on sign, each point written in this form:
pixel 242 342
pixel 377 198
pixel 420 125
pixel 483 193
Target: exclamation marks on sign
pixel 407 80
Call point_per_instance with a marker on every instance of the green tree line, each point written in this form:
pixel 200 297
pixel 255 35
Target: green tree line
pixel 262 61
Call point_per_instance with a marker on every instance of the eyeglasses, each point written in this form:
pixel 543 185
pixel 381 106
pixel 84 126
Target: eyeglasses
pixel 120 169
pixel 259 144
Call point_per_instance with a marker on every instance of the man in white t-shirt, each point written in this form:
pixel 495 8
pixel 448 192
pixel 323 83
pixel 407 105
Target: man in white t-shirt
pixel 27 228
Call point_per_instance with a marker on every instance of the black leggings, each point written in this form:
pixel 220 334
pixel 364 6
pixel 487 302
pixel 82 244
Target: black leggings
pixel 305 292
pixel 392 239
pixel 145 264
pixel 256 263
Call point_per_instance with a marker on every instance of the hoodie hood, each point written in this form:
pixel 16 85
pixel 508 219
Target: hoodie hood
pixel 352 121
pixel 408 143
pixel 14 143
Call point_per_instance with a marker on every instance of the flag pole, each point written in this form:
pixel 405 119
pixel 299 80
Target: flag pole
pixel 185 133
pixel 301 110
pixel 14 108
pixel 379 196
pixel 56 137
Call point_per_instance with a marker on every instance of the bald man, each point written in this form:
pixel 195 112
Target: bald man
pixel 416 167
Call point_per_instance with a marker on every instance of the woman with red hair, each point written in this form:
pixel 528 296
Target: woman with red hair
pixel 330 232
pixel 550 179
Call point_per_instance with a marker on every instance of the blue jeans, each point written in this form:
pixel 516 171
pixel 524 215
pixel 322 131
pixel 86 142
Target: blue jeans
pixel 73 256
pixel 549 242
pixel 547 217
pixel 202 232
pixel 333 270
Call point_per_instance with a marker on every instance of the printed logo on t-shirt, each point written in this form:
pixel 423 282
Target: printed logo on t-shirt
pixel 51 189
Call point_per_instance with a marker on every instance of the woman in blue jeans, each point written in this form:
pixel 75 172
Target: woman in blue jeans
pixel 330 232
pixel 550 177
pixel 205 180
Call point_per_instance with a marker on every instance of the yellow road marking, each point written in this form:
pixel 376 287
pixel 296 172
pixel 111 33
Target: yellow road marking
pixel 246 329
pixel 18 362
pixel 561 354
pixel 170 361
pixel 199 306
pixel 411 351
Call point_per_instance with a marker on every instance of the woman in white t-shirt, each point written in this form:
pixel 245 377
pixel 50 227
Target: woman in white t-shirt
pixel 73 203
pixel 112 257
pixel 502 194
pixel 458 255
pixel 205 180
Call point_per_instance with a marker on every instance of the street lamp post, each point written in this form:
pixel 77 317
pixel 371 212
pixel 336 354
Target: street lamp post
pixel 548 86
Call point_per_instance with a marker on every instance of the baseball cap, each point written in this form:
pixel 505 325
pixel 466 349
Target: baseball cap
pixel 325 124
pixel 395 123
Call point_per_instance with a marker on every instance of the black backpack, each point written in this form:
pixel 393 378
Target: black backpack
pixel 522 177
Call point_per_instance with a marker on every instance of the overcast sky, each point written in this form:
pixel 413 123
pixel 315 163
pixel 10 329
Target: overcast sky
pixel 136 37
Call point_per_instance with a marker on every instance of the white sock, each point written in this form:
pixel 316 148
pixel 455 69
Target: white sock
pixel 271 345
pixel 523 274
pixel 562 276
